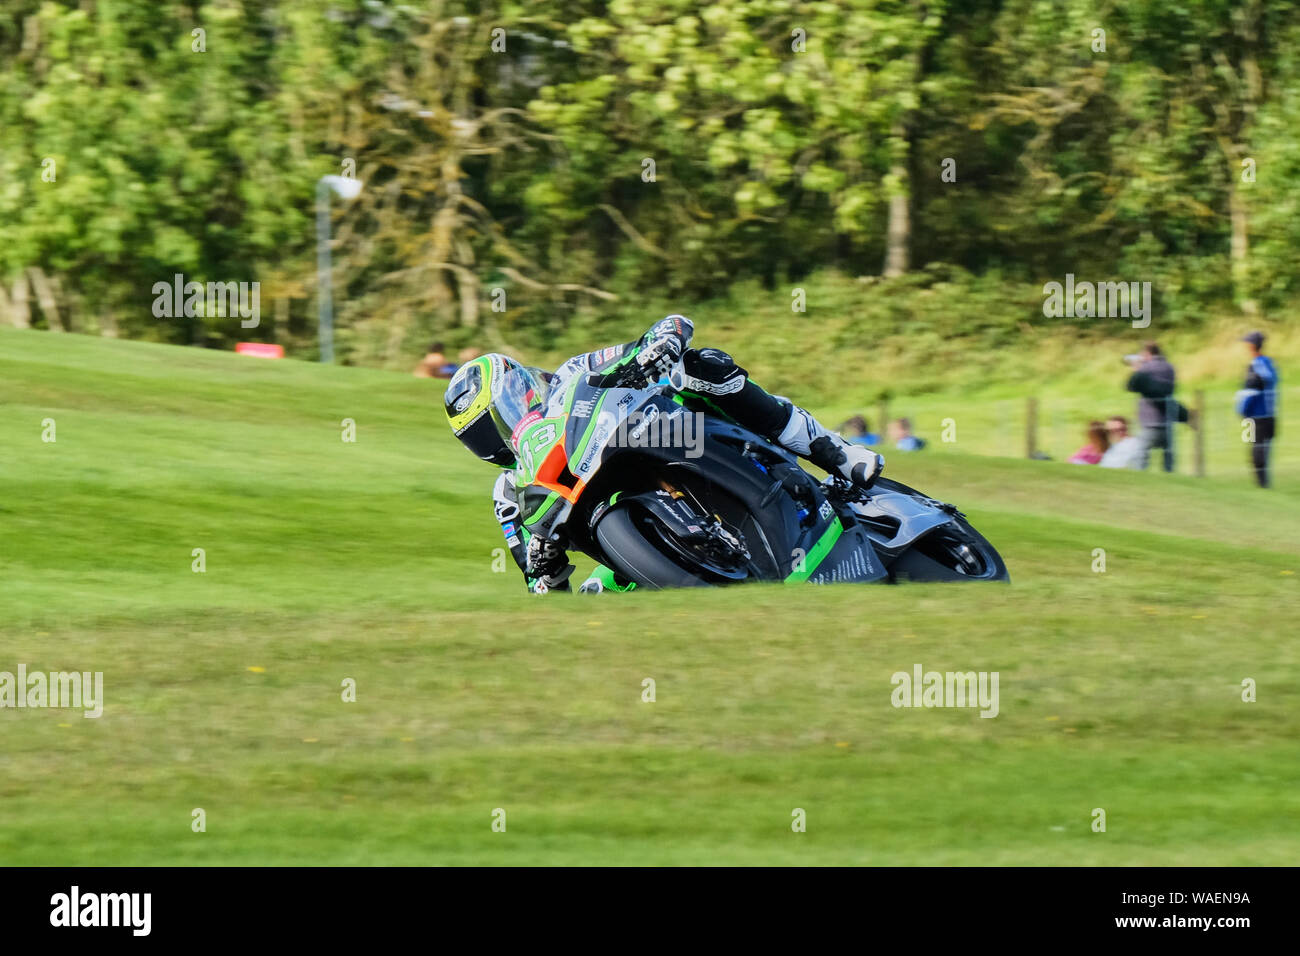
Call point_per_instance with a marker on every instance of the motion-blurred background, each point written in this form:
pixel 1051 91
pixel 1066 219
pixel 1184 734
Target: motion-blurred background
pixel 544 177
pixel 504 145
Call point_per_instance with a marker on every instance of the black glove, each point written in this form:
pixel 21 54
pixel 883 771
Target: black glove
pixel 548 565
pixel 553 582
pixel 659 357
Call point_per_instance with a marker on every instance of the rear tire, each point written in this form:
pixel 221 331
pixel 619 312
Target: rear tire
pixel 634 557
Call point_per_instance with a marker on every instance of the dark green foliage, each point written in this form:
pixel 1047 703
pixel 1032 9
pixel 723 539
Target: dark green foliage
pixel 779 131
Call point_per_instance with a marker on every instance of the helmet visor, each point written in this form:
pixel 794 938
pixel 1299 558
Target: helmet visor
pixel 522 390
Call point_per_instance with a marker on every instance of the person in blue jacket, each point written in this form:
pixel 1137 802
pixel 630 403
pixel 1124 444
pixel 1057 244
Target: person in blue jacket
pixel 1257 401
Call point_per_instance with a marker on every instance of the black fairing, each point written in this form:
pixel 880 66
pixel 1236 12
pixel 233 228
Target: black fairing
pixel 756 487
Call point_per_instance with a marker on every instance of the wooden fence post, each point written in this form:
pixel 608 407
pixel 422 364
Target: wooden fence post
pixel 19 312
pixel 1031 427
pixel 45 296
pixel 1199 436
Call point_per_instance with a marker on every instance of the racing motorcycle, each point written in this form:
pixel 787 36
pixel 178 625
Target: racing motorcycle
pixel 666 493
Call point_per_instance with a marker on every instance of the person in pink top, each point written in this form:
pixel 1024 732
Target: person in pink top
pixel 1098 442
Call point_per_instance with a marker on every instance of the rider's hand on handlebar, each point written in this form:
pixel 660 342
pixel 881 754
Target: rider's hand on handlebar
pixel 659 357
pixel 651 363
pixel 630 375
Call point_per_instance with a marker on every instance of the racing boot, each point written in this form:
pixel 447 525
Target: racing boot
pixel 809 438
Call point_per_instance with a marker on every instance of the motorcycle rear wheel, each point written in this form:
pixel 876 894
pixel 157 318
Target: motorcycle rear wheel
pixel 952 552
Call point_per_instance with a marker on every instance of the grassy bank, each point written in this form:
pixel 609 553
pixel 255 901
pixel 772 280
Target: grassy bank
pixel 372 560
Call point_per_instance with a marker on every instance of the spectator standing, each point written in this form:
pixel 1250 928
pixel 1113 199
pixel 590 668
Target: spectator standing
pixel 1153 379
pixel 1257 401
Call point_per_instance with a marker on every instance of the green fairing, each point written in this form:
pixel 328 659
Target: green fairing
pixel 817 555
pixel 541 511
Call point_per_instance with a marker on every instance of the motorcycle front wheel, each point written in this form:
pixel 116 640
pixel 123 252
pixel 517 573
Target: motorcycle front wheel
pixel 628 538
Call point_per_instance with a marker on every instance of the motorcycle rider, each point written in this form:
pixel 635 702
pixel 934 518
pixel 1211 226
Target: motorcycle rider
pixel 488 396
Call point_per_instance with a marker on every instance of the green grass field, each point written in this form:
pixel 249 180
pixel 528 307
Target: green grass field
pixel 373 560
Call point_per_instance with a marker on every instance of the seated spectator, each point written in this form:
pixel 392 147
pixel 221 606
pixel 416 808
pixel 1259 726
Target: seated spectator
pixel 1098 444
pixel 468 354
pixel 900 433
pixel 435 364
pixel 1125 450
pixel 857 430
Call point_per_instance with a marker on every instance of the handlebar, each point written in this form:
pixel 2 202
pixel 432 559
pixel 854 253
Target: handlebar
pixel 630 375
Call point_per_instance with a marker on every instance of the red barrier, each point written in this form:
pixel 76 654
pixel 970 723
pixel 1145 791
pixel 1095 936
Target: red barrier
pixel 260 349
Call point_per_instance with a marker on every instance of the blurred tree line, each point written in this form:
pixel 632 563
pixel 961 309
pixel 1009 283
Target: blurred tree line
pixel 526 162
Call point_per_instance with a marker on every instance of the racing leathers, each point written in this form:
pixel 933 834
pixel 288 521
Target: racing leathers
pixel 709 374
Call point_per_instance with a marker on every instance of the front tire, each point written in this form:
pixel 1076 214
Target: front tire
pixel 629 552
